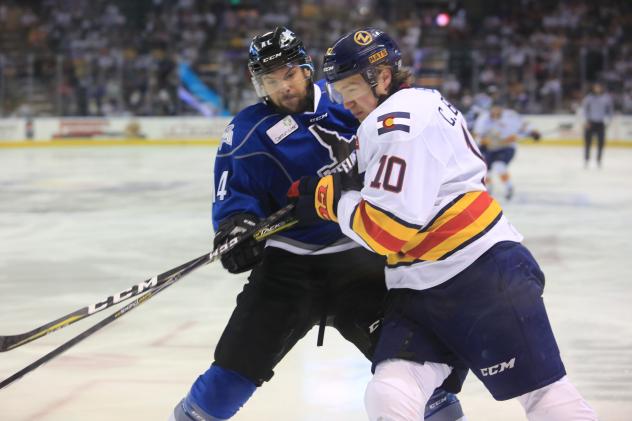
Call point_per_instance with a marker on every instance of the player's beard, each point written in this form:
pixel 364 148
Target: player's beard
pixel 305 103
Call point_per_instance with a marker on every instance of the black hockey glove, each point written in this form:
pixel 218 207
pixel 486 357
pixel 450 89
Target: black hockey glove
pixel 246 255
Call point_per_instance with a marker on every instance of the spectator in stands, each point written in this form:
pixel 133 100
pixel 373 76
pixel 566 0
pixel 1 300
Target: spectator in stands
pixel 532 51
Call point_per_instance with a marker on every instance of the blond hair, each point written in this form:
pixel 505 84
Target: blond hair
pixel 402 76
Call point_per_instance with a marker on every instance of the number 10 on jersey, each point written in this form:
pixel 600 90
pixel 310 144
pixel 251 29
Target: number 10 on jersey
pixel 390 174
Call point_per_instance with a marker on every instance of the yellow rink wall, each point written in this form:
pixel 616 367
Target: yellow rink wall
pixel 215 142
pixel 107 143
pixel 557 130
pixel 111 131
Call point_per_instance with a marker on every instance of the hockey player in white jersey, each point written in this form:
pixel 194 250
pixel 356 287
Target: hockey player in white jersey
pixel 305 276
pixel 463 291
pixel 497 132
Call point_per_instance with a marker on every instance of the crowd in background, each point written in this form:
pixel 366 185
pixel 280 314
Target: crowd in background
pixel 98 57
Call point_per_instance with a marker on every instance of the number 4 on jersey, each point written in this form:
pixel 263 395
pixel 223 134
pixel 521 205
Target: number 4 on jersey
pixel 221 186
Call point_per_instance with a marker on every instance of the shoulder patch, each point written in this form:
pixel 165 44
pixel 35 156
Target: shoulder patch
pixel 282 129
pixel 227 136
pixel 396 120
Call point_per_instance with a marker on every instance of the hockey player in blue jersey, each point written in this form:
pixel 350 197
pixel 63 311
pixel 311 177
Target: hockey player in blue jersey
pixel 305 276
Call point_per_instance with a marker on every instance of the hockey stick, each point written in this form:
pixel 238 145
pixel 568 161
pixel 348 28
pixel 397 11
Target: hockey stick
pixel 67 345
pixel 267 227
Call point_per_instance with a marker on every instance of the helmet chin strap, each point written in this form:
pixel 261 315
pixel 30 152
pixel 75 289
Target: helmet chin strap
pixel 310 106
pixel 391 90
pixel 310 96
pixel 370 77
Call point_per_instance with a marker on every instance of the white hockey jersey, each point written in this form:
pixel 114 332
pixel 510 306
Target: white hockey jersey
pixel 423 204
pixel 509 124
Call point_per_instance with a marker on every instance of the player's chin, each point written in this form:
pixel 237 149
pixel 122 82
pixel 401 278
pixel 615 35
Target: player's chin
pixel 360 116
pixel 292 105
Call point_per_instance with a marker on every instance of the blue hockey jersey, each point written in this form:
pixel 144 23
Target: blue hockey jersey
pixel 262 152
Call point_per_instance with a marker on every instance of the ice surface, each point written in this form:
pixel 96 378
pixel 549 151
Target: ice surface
pixel 79 224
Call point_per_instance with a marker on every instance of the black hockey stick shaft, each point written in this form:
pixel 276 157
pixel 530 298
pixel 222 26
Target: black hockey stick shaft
pixel 83 335
pixel 274 223
pixel 271 225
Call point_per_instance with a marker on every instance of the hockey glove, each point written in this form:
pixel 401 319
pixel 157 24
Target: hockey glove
pixel 246 255
pixel 314 199
pixel 317 198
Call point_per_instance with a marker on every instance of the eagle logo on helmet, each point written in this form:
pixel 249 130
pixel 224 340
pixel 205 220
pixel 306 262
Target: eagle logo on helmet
pixel 286 38
pixel 362 38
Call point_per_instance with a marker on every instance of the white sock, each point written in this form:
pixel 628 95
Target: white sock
pixel 400 389
pixel 559 401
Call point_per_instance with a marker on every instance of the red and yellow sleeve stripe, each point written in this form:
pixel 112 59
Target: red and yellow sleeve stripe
pixel 461 222
pixel 382 231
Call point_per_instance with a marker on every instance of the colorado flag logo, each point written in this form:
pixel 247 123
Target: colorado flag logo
pixel 393 121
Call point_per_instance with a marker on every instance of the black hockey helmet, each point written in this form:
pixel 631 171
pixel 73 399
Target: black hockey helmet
pixel 275 49
pixel 360 52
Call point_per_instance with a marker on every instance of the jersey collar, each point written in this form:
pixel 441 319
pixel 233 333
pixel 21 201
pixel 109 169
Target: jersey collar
pixel 317 95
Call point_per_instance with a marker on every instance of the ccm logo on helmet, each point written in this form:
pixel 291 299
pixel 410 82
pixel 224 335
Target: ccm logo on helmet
pixel 498 368
pixel 272 57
